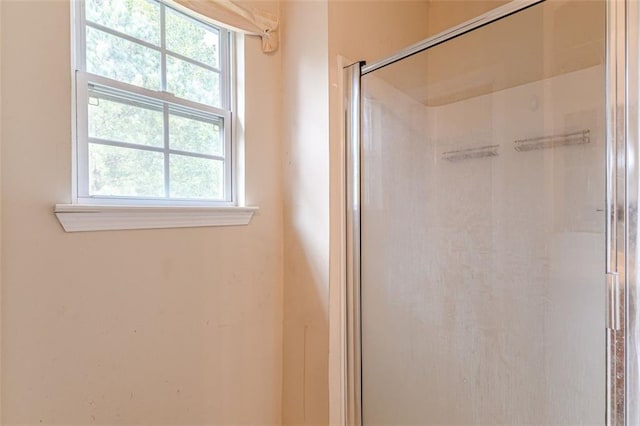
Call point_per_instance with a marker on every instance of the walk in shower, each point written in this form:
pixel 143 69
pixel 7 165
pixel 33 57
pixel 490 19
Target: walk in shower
pixel 491 220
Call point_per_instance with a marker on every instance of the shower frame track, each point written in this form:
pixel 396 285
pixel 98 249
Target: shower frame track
pixel 622 322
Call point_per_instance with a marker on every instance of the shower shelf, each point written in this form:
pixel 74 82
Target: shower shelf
pixel 471 153
pixel 554 141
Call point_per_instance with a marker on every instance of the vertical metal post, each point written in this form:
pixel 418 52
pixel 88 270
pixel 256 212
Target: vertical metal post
pixel 617 210
pixel 632 326
pixel 353 383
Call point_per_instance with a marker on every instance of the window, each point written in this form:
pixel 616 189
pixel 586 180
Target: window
pixel 153 105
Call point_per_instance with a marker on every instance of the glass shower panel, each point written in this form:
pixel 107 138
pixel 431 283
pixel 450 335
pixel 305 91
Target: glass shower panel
pixel 482 287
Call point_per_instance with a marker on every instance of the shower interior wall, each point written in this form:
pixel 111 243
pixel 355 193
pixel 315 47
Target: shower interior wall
pixel 509 248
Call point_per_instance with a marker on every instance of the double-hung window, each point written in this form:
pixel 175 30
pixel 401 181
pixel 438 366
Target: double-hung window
pixel 153 88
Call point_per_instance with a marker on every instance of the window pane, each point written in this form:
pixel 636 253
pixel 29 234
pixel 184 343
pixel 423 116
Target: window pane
pixel 125 172
pixel 192 82
pixel 193 177
pixel 137 18
pixel 122 122
pixel 122 60
pixel 193 135
pixel 192 39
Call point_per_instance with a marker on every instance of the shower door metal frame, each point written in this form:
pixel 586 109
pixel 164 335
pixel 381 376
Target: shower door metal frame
pixel 624 21
pixel 352 405
pixel 622 322
pixel 616 208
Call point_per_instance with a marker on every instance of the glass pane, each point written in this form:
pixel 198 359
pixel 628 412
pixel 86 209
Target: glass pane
pixel 193 177
pixel 129 172
pixel 483 226
pixel 194 135
pixel 122 60
pixel 192 39
pixel 124 122
pixel 192 82
pixel 137 18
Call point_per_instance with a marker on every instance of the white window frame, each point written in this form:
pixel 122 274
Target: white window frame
pixel 82 81
pixel 123 213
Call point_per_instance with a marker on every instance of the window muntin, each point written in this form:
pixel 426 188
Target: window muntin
pixel 153 97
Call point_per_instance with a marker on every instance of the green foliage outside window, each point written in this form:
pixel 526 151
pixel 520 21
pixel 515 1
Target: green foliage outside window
pixel 125 170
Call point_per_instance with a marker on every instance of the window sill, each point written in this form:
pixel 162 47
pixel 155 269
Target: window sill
pixel 83 217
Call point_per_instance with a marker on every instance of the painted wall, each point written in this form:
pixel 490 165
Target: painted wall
pixel 305 132
pixel 492 59
pixel 176 326
pixel 445 14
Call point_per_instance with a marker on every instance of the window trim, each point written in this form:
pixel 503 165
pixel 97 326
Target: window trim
pixel 81 79
pixel 80 216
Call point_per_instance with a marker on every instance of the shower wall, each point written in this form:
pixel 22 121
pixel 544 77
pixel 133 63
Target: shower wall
pixel 482 278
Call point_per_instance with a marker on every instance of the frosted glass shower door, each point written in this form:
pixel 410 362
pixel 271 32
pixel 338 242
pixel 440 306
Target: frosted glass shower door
pixel 482 223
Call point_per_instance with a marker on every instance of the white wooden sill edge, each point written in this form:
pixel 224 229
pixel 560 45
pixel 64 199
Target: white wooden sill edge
pixel 84 217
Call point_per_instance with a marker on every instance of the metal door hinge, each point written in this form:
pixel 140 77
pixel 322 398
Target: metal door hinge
pixel 613 301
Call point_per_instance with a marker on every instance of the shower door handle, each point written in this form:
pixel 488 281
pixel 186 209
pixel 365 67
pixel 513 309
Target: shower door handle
pixel 613 302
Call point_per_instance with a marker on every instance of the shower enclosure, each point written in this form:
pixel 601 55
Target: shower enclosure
pixel 492 190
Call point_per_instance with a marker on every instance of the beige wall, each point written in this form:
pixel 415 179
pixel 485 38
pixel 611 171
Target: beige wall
pixel 444 14
pixel 176 326
pixel 537 43
pixel 305 131
pixel 370 30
